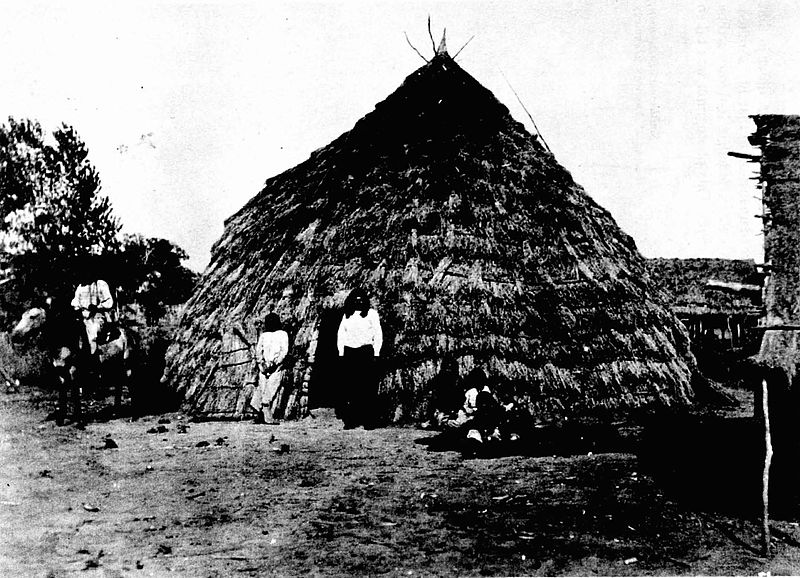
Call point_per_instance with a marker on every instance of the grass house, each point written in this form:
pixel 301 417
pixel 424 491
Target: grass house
pixel 474 243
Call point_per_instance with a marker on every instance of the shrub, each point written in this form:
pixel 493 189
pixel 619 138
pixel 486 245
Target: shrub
pixel 28 365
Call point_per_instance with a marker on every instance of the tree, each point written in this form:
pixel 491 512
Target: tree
pixel 51 209
pixel 50 197
pixel 150 272
pixel 54 221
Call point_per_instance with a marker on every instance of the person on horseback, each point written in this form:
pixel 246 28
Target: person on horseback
pixel 94 302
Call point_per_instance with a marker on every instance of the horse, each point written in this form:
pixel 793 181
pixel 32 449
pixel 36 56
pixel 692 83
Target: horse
pixel 74 357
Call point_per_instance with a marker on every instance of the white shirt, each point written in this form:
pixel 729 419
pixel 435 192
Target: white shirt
pixel 96 293
pixel 357 331
pixel 271 348
pixel 471 401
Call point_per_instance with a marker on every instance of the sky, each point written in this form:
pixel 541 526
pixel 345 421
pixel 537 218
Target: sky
pixel 187 108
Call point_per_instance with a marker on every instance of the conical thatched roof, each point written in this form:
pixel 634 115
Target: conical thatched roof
pixel 474 243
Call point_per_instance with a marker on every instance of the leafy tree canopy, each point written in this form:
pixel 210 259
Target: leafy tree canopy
pixel 55 224
pixel 50 201
pixel 150 272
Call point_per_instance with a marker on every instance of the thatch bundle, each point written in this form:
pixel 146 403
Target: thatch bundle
pixel 474 243
pixel 778 136
pixel 776 364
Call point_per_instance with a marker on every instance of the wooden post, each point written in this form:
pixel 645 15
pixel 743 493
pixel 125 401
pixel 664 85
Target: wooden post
pixel 730 329
pixel 765 538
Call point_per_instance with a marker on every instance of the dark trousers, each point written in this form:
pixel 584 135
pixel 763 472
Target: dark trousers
pixel 357 402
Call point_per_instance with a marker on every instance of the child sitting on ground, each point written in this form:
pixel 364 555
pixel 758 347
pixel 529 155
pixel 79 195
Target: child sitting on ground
pixel 473 384
pixel 495 419
pixel 487 418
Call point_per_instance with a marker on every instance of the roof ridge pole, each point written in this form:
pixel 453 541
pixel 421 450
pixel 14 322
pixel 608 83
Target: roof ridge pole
pixel 433 42
pixel 414 48
pixel 463 47
pixel 443 44
pixel 519 100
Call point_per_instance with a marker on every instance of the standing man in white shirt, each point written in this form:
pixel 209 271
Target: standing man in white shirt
pixel 359 341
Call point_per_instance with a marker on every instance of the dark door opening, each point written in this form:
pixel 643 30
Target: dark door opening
pixel 324 379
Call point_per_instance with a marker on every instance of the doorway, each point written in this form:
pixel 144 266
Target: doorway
pixel 323 383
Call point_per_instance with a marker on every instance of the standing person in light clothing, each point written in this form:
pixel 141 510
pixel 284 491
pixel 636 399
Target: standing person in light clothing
pixel 271 349
pixel 359 340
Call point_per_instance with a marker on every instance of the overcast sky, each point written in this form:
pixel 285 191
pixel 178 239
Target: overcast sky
pixel 188 107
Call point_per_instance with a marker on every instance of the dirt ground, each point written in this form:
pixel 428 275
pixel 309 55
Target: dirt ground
pixel 309 498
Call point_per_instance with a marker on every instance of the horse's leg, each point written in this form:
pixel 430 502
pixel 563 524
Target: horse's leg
pixel 92 370
pixel 61 408
pixel 126 372
pixel 134 391
pixel 119 377
pixel 115 369
pixel 77 393
pixel 61 366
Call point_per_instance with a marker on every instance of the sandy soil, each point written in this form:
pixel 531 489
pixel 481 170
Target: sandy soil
pixel 223 499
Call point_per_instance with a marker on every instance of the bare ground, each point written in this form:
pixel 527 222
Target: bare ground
pixel 222 499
